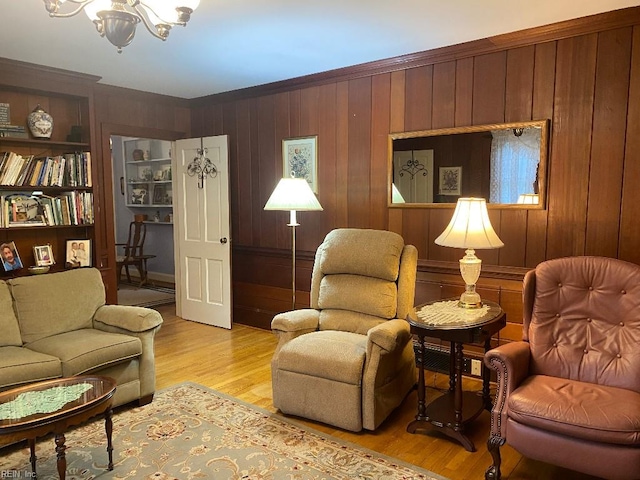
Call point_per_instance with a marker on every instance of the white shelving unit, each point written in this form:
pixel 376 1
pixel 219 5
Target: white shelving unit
pixel 148 184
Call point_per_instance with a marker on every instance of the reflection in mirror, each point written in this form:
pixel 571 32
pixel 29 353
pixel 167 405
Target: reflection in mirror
pixel 503 163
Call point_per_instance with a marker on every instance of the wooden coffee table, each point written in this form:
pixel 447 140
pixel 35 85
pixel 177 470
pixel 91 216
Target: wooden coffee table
pixel 52 407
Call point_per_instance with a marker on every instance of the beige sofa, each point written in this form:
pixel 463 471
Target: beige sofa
pixel 57 325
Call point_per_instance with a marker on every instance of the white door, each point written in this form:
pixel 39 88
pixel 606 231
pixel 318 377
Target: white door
pixel 201 232
pixel 413 175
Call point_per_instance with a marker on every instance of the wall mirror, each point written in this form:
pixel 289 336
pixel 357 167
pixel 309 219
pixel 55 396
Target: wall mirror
pixel 504 163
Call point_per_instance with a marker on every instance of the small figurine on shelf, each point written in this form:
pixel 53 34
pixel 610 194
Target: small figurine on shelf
pixel 156 217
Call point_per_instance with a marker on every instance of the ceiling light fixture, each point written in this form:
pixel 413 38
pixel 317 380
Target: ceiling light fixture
pixel 117 19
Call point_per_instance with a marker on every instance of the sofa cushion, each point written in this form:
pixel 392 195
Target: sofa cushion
pixel 8 321
pixel 50 304
pixel 578 409
pixel 328 354
pixel 85 350
pixel 368 295
pixel 19 365
pixel 373 253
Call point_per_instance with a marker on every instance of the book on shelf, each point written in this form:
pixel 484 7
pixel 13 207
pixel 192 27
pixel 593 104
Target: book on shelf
pixel 16 131
pixel 68 208
pixel 68 170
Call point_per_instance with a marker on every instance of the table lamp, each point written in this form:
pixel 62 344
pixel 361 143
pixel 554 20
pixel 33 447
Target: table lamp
pixel 528 199
pixel 293 194
pixel 470 228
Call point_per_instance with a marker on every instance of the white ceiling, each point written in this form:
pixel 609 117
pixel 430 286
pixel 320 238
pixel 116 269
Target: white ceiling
pixel 232 44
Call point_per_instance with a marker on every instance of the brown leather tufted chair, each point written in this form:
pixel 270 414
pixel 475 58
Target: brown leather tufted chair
pixel 569 392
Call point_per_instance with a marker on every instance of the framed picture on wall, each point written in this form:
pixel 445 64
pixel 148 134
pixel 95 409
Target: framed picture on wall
pixel 300 159
pixel 450 180
pixel 78 253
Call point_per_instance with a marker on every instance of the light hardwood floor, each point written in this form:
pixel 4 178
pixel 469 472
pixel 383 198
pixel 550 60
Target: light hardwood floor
pixel 237 362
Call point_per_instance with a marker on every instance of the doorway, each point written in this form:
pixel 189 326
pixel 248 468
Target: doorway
pixel 142 180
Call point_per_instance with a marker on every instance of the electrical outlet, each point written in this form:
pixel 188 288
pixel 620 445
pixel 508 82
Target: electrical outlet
pixel 476 367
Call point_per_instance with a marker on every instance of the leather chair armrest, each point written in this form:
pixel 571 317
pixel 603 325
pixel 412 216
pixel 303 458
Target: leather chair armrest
pixel 288 325
pixel 126 318
pixel 390 335
pixel 511 363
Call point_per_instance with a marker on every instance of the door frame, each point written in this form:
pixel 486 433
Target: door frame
pixel 107 258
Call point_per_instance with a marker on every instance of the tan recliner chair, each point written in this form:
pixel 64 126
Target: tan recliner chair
pixel 569 392
pixel 348 360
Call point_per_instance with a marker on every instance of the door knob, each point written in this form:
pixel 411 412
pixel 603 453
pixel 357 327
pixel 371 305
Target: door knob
pixel 223 240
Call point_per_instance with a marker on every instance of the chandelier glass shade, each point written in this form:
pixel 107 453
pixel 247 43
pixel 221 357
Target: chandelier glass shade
pixel 117 19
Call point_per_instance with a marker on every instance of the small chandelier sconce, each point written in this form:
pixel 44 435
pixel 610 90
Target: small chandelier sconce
pixel 117 19
pixel 202 167
pixel 412 167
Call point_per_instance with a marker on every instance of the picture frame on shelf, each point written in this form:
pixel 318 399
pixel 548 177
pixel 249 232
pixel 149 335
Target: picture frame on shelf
pixel 78 253
pixel 10 257
pixel 450 180
pixel 159 194
pixel 300 159
pixel 24 211
pixel 43 255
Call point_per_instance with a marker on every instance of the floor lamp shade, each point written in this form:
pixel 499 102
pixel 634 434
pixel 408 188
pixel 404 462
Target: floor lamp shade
pixel 293 194
pixel 470 228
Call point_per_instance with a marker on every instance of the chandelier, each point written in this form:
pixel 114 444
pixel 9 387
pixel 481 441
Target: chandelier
pixel 117 19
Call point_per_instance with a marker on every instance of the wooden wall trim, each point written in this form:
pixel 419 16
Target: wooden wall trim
pixel 580 26
pixel 496 272
pixel 46 79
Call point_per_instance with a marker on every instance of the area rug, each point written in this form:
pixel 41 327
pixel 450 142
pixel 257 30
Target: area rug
pixel 147 296
pixel 192 432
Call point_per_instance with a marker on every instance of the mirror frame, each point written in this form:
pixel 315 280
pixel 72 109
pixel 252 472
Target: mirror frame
pixel 542 171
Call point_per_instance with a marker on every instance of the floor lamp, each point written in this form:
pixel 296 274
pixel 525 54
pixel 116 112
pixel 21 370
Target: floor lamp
pixel 293 194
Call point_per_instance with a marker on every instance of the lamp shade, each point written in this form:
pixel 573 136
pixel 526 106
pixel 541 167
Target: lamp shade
pixel 470 227
pixel 396 196
pixel 528 199
pixel 293 194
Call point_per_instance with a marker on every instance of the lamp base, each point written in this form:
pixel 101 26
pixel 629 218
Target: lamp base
pixel 470 300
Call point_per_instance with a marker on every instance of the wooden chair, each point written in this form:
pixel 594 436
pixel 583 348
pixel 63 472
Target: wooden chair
pixel 133 253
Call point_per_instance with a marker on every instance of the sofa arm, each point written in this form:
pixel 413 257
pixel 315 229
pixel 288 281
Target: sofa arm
pixel 390 335
pixel 138 322
pixel 288 325
pixel 511 363
pixel 127 319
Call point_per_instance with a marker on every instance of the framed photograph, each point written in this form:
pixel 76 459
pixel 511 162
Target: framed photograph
pixel 43 255
pixel 10 258
pixel 300 159
pixel 450 180
pixel 78 253
pixel 161 195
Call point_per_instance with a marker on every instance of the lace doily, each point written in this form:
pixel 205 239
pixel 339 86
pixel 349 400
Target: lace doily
pixel 45 401
pixel 449 313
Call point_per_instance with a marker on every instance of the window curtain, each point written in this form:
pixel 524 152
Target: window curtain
pixel 514 163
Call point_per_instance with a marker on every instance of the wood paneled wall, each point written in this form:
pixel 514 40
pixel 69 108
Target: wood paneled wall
pixel 582 75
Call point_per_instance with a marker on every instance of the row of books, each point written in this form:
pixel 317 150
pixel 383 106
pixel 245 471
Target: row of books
pixel 68 208
pixel 68 170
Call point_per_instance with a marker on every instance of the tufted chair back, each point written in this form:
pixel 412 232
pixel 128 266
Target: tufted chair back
pixel 582 320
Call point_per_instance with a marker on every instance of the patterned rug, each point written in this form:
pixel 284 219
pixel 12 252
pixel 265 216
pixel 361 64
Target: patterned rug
pixel 192 432
pixel 147 296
